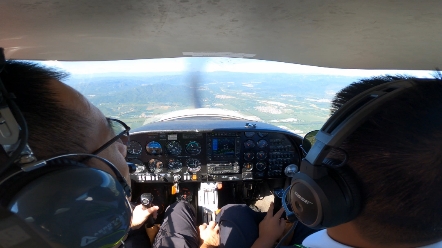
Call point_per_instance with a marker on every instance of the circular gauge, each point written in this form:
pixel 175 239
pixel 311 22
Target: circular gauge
pixel 249 134
pixel 174 148
pixel 174 165
pixel 139 164
pixel 262 134
pixel 248 156
pixel 193 148
pixel 155 165
pixel 249 144
pixel 260 166
pixel 134 148
pixel 248 166
pixel 261 155
pixel 262 144
pixel 154 148
pixel 193 164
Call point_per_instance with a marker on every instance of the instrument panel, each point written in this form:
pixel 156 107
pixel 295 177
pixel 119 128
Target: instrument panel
pixel 197 156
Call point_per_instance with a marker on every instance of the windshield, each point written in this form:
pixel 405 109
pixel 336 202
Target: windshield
pixel 291 96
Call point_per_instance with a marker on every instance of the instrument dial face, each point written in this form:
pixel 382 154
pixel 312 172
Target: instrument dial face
pixel 134 148
pixel 248 156
pixel 260 166
pixel 262 134
pixel 154 148
pixel 193 165
pixel 248 166
pixel 174 148
pixel 174 165
pixel 249 134
pixel 249 144
pixel 261 155
pixel 193 148
pixel 262 144
pixel 155 165
pixel 139 164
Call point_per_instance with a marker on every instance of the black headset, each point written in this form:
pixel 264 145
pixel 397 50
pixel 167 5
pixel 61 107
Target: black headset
pixel 65 201
pixel 325 193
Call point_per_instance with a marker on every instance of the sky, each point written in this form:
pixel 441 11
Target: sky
pixel 215 64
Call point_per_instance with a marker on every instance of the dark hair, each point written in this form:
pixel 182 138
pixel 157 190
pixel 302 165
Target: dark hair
pixel 397 156
pixel 53 130
pixel 362 85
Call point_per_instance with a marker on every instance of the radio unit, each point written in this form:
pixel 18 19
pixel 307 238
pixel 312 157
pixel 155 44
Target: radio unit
pixel 223 168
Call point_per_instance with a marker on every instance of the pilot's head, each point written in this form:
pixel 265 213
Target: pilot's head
pixel 59 118
pixel 396 156
pixel 66 201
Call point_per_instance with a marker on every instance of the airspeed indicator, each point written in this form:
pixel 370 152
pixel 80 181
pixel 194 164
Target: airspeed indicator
pixel 134 148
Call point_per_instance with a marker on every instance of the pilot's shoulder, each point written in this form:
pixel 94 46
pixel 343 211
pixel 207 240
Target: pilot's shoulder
pixel 321 239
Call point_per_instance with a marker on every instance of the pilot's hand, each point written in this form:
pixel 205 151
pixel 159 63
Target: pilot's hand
pixel 209 235
pixel 272 226
pixel 141 213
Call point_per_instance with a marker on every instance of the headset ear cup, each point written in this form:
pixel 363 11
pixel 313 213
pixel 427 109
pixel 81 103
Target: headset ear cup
pixel 13 185
pixel 325 196
pixel 348 178
pixel 66 201
pixel 305 200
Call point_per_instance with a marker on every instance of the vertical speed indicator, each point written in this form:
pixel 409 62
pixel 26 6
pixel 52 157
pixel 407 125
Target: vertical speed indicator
pixel 193 165
pixel 174 165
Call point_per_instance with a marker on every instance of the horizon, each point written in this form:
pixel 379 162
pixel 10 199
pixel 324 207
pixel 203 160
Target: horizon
pixel 215 64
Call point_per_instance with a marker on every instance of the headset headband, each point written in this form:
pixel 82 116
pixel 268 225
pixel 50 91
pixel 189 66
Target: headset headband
pixel 9 129
pixel 2 59
pixel 13 128
pixel 350 116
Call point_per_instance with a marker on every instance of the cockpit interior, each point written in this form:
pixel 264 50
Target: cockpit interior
pixel 204 153
pixel 217 161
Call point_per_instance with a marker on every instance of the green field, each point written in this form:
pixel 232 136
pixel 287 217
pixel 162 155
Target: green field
pixel 295 102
